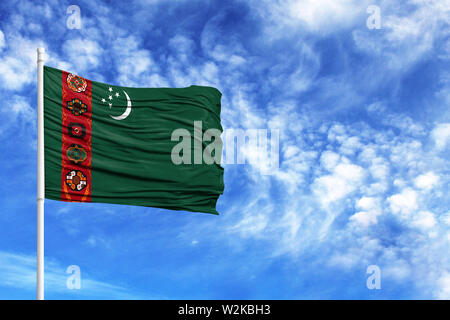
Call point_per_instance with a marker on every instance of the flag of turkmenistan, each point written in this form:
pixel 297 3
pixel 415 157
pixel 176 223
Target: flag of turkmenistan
pixel 105 143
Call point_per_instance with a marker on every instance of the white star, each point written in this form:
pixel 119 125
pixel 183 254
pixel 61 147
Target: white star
pixel 110 105
pixel 110 89
pixel 117 94
pixel 103 100
pixel 110 97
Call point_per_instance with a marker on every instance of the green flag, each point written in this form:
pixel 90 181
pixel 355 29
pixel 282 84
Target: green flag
pixel 156 147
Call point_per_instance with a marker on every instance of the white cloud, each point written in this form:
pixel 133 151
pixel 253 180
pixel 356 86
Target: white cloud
pixel 367 154
pixel 403 203
pixel 444 286
pixel 367 203
pixel 370 208
pixel 2 40
pixel 441 135
pixel 446 218
pixel 379 168
pixel 19 113
pixel 132 61
pixel 337 133
pixel 426 181
pixel 251 225
pixel 424 220
pixel 346 178
pixel 183 48
pixel 398 269
pixel 21 108
pixel 85 54
pixel 329 160
pixel 320 15
pixel 364 218
pixel 291 151
pixel 313 15
pixel 18 62
pixel 350 146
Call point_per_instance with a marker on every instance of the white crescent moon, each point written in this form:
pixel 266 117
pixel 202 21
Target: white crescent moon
pixel 127 111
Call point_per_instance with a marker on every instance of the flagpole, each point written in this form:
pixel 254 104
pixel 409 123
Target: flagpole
pixel 40 175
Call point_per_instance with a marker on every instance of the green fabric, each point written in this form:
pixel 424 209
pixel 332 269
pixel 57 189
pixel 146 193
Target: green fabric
pixel 131 158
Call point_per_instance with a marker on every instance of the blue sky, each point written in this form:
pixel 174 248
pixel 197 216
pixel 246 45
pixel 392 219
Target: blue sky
pixel 364 123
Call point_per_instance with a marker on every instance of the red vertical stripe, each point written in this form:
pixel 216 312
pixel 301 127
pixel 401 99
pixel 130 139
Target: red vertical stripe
pixel 76 138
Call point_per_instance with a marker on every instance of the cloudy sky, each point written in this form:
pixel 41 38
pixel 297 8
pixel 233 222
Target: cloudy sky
pixel 364 128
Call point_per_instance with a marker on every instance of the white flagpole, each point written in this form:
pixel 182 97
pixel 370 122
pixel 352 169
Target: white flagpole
pixel 40 175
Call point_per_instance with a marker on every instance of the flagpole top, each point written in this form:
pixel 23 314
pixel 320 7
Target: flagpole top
pixel 40 54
